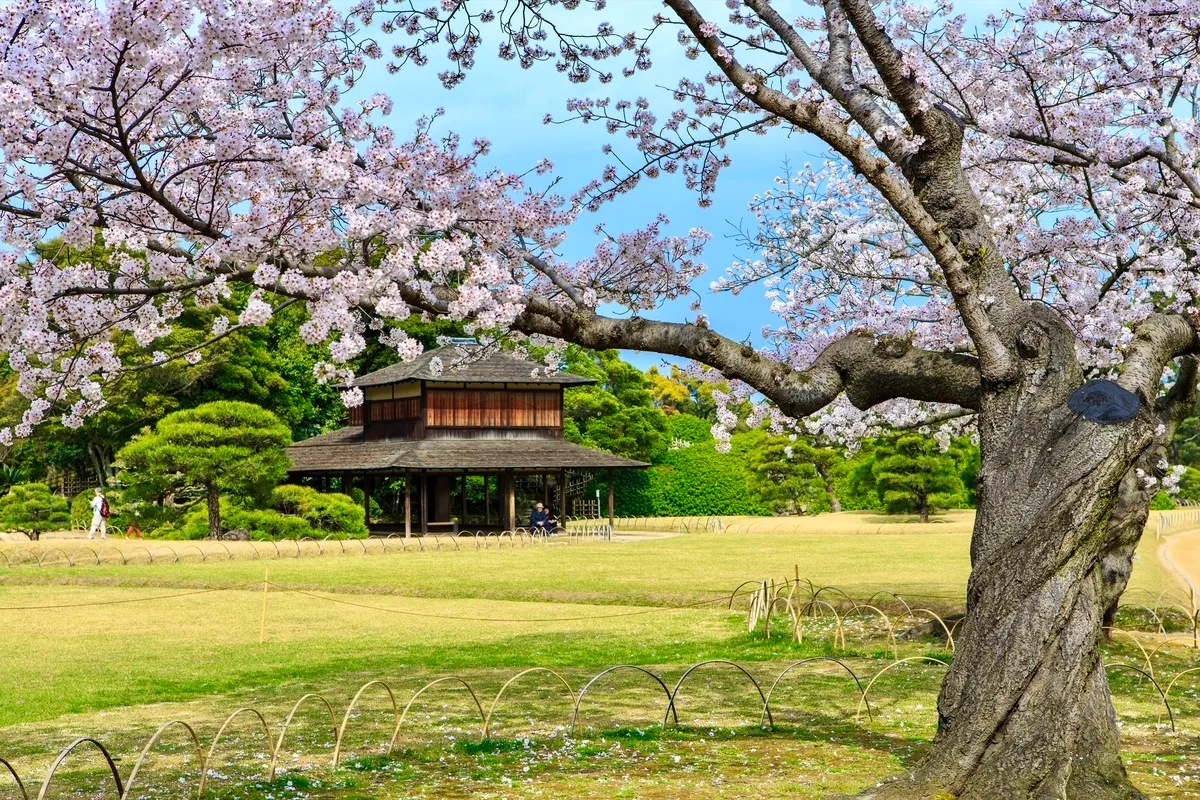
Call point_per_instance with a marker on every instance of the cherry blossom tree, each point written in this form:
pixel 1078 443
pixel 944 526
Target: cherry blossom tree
pixel 1005 214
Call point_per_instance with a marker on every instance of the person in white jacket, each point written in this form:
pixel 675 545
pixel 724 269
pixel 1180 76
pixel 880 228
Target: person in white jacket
pixel 99 522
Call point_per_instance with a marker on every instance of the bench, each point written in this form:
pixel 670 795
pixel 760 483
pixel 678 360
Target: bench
pixel 442 527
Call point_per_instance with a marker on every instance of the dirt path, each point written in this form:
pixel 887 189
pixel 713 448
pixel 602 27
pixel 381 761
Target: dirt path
pixel 1181 555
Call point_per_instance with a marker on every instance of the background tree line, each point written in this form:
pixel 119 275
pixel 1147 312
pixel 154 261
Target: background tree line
pixel 663 416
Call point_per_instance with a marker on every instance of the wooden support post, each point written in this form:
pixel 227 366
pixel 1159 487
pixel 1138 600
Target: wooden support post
pixel 510 502
pixel 487 500
pixel 562 498
pixel 424 504
pixel 462 522
pixel 366 487
pixel 407 505
pixel 610 498
pixel 546 491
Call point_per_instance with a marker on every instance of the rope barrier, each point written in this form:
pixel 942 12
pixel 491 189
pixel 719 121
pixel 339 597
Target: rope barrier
pixel 130 600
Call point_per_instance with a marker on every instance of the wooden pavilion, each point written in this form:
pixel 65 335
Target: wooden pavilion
pixel 458 413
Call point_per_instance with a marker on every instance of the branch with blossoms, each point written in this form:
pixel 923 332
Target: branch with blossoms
pixel 216 148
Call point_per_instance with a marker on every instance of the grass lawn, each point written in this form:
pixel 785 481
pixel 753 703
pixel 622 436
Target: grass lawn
pixel 120 670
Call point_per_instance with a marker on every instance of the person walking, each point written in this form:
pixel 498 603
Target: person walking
pixel 99 515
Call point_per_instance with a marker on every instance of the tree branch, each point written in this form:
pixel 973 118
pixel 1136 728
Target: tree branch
pixel 1157 340
pixel 869 369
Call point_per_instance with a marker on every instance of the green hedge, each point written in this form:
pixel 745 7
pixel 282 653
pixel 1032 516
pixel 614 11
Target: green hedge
pixel 690 481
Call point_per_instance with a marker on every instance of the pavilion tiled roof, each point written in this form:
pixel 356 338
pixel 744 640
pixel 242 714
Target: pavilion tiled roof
pixel 346 450
pixel 465 363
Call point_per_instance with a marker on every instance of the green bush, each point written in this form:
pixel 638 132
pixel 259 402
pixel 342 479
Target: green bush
pixel 32 509
pixel 81 509
pixel 686 428
pixel 1162 501
pixel 295 512
pixel 223 448
pixel 690 481
pixel 329 514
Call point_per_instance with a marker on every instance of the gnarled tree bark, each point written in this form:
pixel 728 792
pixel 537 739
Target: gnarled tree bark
pixel 1024 711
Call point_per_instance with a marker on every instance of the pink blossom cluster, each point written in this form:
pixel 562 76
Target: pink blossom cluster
pixel 211 144
pixel 203 144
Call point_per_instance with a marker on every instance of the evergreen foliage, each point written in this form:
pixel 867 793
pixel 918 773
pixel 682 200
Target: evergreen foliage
pixel 789 474
pixel 292 512
pixel 217 448
pixel 30 508
pixel 913 477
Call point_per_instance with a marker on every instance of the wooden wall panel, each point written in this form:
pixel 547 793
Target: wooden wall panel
pixel 475 408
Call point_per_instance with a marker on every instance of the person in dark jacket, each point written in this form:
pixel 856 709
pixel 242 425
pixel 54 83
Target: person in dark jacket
pixel 539 520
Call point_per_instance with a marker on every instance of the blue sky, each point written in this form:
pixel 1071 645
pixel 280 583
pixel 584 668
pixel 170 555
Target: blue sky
pixel 505 104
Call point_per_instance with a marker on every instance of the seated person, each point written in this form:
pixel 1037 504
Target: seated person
pixel 539 520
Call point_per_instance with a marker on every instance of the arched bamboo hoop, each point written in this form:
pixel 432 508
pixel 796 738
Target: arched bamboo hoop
pixel 903 602
pixel 861 693
pixel 791 609
pixel 1161 693
pixel 33 559
pixel 741 586
pixel 588 685
pixel 1135 640
pixel 1171 685
pixel 942 622
pixel 16 777
pixel 192 547
pixel 174 555
pixel 42 558
pixel 431 684
pixel 487 720
pixel 333 727
pixel 891 632
pixel 875 677
pixel 149 555
pixel 112 767
pixel 1188 643
pixel 78 550
pixel 116 550
pixel 1157 618
pixel 137 765
pixel 337 744
pixel 673 707
pixel 839 631
pixel 217 740
pixel 849 599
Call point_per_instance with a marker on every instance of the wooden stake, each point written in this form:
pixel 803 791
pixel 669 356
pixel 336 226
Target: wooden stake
pixel 262 629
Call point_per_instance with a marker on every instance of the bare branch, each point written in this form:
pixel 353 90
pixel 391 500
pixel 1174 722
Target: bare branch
pixel 1157 340
pixel 869 369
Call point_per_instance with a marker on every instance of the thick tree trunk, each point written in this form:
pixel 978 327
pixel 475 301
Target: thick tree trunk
pixel 214 511
pixel 1024 711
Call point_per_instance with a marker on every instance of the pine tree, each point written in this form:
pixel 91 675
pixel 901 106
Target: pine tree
pixel 914 477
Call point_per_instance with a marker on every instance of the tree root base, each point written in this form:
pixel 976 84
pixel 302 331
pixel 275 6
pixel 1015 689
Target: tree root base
pixel 908 788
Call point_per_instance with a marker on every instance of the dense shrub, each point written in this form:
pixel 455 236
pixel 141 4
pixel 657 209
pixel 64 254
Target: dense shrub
pixel 689 481
pixel 1162 501
pixel 81 509
pixel 914 477
pixel 327 513
pixel 224 448
pixel 295 512
pixel 686 428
